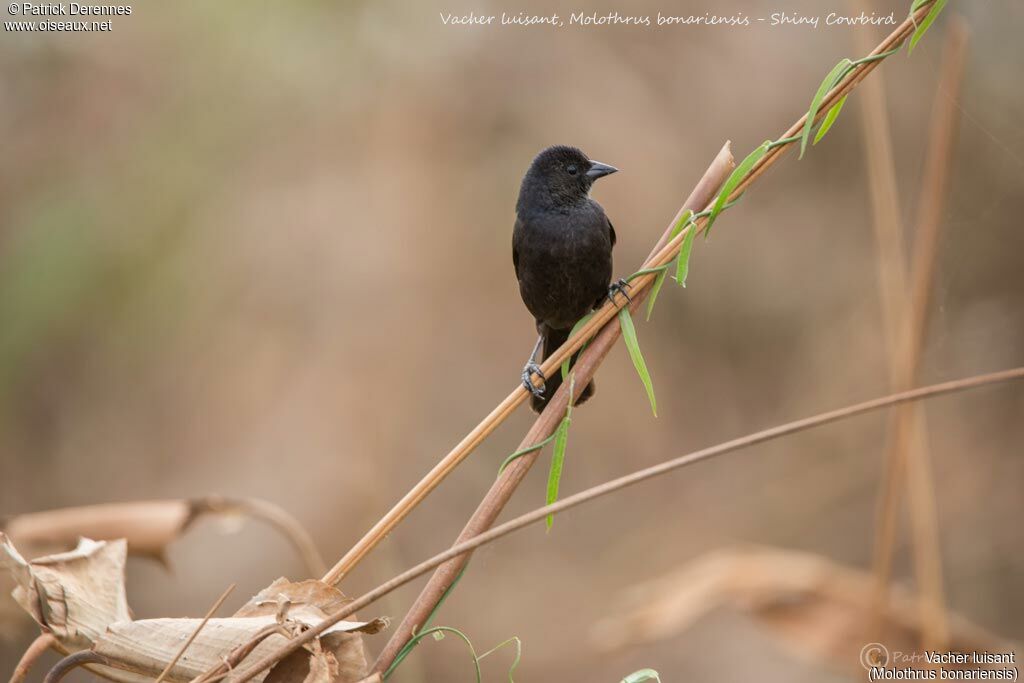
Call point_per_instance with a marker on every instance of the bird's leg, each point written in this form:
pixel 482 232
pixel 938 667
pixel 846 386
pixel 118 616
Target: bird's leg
pixel 531 368
pixel 619 287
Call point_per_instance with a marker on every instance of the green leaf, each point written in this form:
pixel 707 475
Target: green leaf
pixel 633 346
pixel 833 77
pixel 830 118
pixel 926 23
pixel 684 218
pixel 735 178
pixel 683 260
pixel 575 328
pixel 557 460
pixel 641 676
pixel 561 437
pixel 659 280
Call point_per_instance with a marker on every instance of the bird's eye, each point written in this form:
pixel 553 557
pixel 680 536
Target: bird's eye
pixel 571 168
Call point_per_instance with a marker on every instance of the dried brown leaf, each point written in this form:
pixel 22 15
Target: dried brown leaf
pixel 323 668
pixel 308 600
pixel 147 526
pixel 813 606
pixel 311 592
pixel 150 526
pixel 79 596
pixel 301 667
pixel 76 594
pixel 145 646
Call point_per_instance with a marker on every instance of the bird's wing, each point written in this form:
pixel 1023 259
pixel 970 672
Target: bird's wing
pixel 611 230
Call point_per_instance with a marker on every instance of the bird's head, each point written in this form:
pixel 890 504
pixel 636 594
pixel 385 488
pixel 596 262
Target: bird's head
pixel 564 174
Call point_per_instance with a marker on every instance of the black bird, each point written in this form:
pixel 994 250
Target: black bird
pixel 562 252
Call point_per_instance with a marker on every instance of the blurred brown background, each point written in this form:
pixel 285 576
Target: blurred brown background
pixel 264 250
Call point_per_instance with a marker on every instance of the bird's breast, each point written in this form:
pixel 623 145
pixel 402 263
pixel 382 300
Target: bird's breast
pixel 564 264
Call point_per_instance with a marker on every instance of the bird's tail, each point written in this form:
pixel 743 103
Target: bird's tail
pixel 552 340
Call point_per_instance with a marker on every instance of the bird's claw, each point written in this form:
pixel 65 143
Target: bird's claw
pixel 529 371
pixel 619 287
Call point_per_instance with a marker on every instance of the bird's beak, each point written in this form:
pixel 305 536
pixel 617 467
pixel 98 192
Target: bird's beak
pixel 599 170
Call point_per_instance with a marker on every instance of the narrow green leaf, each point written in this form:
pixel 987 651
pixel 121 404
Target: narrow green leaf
pixel 926 23
pixel 833 77
pixel 683 260
pixel 557 460
pixel 561 437
pixel 830 118
pixel 684 218
pixel 735 178
pixel 575 328
pixel 659 280
pixel 633 346
pixel 641 676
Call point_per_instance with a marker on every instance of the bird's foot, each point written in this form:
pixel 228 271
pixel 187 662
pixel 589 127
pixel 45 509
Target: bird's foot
pixel 619 287
pixel 529 371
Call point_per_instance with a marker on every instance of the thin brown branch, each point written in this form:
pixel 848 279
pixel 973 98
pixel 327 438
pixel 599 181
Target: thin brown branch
pixel 73 661
pixel 240 652
pixel 184 646
pixel 32 654
pixel 907 462
pixel 616 485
